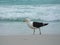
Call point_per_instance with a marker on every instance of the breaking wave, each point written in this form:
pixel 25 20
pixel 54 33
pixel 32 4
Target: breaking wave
pixel 47 12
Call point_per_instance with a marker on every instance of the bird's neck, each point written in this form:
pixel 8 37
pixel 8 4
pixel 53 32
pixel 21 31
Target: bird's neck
pixel 29 22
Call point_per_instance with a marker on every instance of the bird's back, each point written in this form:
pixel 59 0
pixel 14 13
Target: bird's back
pixel 39 24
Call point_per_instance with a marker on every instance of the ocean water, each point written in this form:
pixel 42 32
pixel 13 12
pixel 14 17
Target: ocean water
pixel 12 16
pixel 20 28
pixel 47 12
pixel 28 2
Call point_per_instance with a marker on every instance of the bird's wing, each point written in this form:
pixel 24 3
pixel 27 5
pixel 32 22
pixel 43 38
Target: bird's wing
pixel 37 24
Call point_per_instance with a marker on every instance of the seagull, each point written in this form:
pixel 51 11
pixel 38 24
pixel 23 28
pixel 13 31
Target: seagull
pixel 34 25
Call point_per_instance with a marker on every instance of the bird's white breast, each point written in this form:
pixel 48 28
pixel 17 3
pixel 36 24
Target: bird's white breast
pixel 30 24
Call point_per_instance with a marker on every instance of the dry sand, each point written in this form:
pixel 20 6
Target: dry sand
pixel 30 40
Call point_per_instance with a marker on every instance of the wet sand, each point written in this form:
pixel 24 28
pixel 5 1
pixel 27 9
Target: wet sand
pixel 30 40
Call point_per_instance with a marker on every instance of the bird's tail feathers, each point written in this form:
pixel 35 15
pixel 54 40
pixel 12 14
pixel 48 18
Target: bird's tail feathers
pixel 45 24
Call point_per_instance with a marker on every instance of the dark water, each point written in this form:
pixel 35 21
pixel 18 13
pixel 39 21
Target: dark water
pixel 29 2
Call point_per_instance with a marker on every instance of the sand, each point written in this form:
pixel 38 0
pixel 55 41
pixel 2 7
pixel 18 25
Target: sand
pixel 30 40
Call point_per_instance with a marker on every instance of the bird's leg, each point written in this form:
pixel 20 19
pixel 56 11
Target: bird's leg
pixel 34 32
pixel 40 31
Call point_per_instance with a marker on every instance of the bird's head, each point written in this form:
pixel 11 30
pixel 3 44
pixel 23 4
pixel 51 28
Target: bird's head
pixel 27 20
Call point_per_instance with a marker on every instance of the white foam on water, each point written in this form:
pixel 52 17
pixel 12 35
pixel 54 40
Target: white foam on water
pixel 44 12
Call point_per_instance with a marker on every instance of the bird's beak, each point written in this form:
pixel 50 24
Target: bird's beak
pixel 24 21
